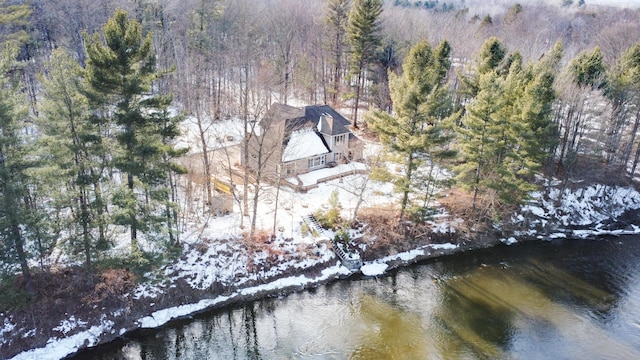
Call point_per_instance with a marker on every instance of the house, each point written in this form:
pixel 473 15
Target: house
pixel 293 141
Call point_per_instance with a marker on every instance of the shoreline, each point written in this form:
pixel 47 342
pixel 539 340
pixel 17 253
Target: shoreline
pixel 399 261
pixel 107 332
pixel 296 281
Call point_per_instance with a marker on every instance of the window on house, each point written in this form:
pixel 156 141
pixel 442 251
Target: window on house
pixel 340 139
pixel 316 161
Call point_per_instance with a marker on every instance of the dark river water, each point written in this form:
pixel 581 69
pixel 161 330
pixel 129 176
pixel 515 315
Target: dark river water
pixel 572 299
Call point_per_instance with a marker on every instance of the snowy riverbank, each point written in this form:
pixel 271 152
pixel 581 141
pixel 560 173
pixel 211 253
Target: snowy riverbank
pixel 220 271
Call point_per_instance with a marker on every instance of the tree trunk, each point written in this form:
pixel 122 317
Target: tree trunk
pixel 247 135
pixel 22 258
pixel 101 209
pixel 287 74
pixel 565 140
pixel 85 220
pixel 256 197
pixel 337 68
pixel 357 100
pixel 205 155
pixel 430 188
pixel 614 131
pixel 172 214
pixel 629 148
pixel 476 182
pixel 635 162
pixel 132 217
pixel 275 209
pixel 406 190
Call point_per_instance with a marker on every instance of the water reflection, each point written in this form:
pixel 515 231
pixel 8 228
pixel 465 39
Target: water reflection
pixel 565 300
pixel 389 332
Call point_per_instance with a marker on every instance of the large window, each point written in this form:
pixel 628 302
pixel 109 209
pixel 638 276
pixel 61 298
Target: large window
pixel 316 161
pixel 340 139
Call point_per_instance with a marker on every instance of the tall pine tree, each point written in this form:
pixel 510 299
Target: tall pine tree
pixel 507 131
pixel 627 80
pixel 338 20
pixel 71 147
pixel 120 72
pixel 422 105
pixel 13 21
pixel 476 135
pixel 15 163
pixel 364 37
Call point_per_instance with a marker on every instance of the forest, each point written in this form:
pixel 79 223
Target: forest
pixel 94 94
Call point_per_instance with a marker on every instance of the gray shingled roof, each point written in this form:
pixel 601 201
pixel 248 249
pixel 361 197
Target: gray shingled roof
pixel 280 112
pixel 338 126
pixel 296 118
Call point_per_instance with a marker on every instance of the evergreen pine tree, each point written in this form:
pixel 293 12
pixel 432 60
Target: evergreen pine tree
pixel 507 131
pixel 120 73
pixel 620 94
pixel 626 79
pixel 422 105
pixel 588 69
pixel 491 56
pixel 13 21
pixel 476 136
pixel 338 19
pixel 363 33
pixel 15 227
pixel 71 148
pixel 492 53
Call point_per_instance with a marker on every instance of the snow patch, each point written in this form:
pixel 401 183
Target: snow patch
pixel 161 317
pixel 558 236
pixel 447 246
pixel 588 206
pixel 509 241
pixel 535 210
pixel 374 269
pixel 6 328
pixel 69 324
pixel 404 256
pixel 316 176
pixel 60 348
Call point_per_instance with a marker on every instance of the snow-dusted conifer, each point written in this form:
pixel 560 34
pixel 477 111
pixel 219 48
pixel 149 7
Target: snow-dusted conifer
pixel 121 69
pixel 422 106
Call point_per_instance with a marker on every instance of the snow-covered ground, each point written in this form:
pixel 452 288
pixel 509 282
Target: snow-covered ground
pixel 215 254
pixel 224 261
pixel 579 214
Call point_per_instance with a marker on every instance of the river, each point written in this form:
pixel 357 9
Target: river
pixel 567 299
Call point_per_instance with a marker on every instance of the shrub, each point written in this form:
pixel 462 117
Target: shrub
pixel 304 229
pixel 420 214
pixel 342 236
pixel 112 285
pixel 12 295
pixel 330 219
